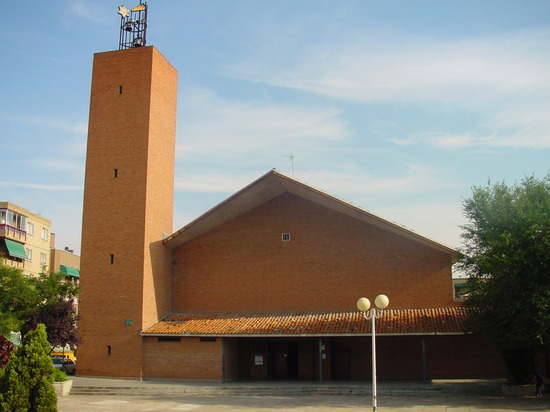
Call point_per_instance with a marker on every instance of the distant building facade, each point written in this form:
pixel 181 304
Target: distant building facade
pixel 27 243
pixel 65 261
pixel 24 239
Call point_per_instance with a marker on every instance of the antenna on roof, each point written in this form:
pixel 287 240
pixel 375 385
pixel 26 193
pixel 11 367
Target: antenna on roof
pixel 133 26
pixel 291 158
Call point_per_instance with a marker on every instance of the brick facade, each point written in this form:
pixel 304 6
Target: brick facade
pixel 331 260
pixel 128 200
pixel 234 258
pixel 187 359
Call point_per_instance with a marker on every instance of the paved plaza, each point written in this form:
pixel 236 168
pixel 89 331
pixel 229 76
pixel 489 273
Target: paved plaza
pixel 97 394
pixel 319 403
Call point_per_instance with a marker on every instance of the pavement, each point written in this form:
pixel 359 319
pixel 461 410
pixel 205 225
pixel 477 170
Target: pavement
pixel 172 395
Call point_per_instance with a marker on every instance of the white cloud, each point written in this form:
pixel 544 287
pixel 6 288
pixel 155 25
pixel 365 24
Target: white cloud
pixel 212 126
pixel 59 164
pixel 378 67
pixel 533 136
pixel 417 178
pixel 50 123
pixel 40 186
pixel 437 221
pixel 213 182
pixel 89 10
pixel 503 79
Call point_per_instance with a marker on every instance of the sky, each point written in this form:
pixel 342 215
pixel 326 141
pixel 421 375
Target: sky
pixel 398 107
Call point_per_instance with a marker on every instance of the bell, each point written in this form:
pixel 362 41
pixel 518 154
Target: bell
pixel 138 42
pixel 128 26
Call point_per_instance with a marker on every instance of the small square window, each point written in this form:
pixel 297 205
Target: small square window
pixel 285 237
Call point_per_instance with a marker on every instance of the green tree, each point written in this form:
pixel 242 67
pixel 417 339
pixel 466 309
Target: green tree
pixel 27 382
pixel 17 296
pixel 52 287
pixel 506 254
pixel 20 294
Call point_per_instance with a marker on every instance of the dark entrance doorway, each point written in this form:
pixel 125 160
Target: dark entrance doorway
pixel 285 359
pixel 280 359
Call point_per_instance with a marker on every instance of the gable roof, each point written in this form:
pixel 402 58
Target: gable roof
pixel 431 321
pixel 274 184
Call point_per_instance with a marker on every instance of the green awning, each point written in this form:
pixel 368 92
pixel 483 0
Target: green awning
pixel 16 249
pixel 69 271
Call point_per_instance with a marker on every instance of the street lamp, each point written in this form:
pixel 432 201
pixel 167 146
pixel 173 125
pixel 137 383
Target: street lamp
pixel 372 314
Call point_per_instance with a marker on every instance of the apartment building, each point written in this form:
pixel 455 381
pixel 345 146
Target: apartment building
pixel 24 239
pixel 27 243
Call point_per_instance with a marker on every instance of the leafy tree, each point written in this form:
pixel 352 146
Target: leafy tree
pixel 27 383
pixel 17 296
pixel 60 319
pixel 52 287
pixel 20 294
pixel 506 254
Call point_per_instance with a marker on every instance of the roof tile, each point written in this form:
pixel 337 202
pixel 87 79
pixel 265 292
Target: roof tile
pixel 450 320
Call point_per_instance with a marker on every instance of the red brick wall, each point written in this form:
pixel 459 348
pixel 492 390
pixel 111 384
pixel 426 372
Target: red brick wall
pixel 131 129
pixel 330 261
pixel 188 359
pixel 459 356
pixel 231 359
pixel 463 356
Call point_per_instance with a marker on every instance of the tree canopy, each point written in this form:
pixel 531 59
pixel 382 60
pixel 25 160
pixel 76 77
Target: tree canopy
pixel 60 319
pixel 506 254
pixel 21 295
pixel 17 296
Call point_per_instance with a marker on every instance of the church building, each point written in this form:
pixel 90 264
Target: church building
pixel 262 286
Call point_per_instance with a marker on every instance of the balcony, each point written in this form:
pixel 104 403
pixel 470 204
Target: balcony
pixel 12 232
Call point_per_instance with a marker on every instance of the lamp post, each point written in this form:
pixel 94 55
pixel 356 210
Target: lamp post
pixel 363 304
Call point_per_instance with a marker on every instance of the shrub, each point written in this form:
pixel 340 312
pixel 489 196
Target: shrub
pixel 59 375
pixel 6 348
pixel 27 382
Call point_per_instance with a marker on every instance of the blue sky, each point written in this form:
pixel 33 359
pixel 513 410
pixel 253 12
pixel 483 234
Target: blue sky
pixel 398 107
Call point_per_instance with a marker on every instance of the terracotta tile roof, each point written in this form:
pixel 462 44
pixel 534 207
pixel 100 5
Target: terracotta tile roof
pixel 448 320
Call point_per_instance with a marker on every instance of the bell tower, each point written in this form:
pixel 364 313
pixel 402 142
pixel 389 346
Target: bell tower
pixel 128 207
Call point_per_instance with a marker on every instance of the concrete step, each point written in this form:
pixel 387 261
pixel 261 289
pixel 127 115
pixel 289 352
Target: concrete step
pixel 278 390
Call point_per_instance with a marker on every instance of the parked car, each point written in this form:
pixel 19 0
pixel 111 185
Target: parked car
pixel 65 364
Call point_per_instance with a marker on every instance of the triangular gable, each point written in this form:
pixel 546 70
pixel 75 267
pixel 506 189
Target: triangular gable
pixel 274 184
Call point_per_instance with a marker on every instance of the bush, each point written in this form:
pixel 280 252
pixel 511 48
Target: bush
pixel 59 375
pixel 27 382
pixel 6 348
